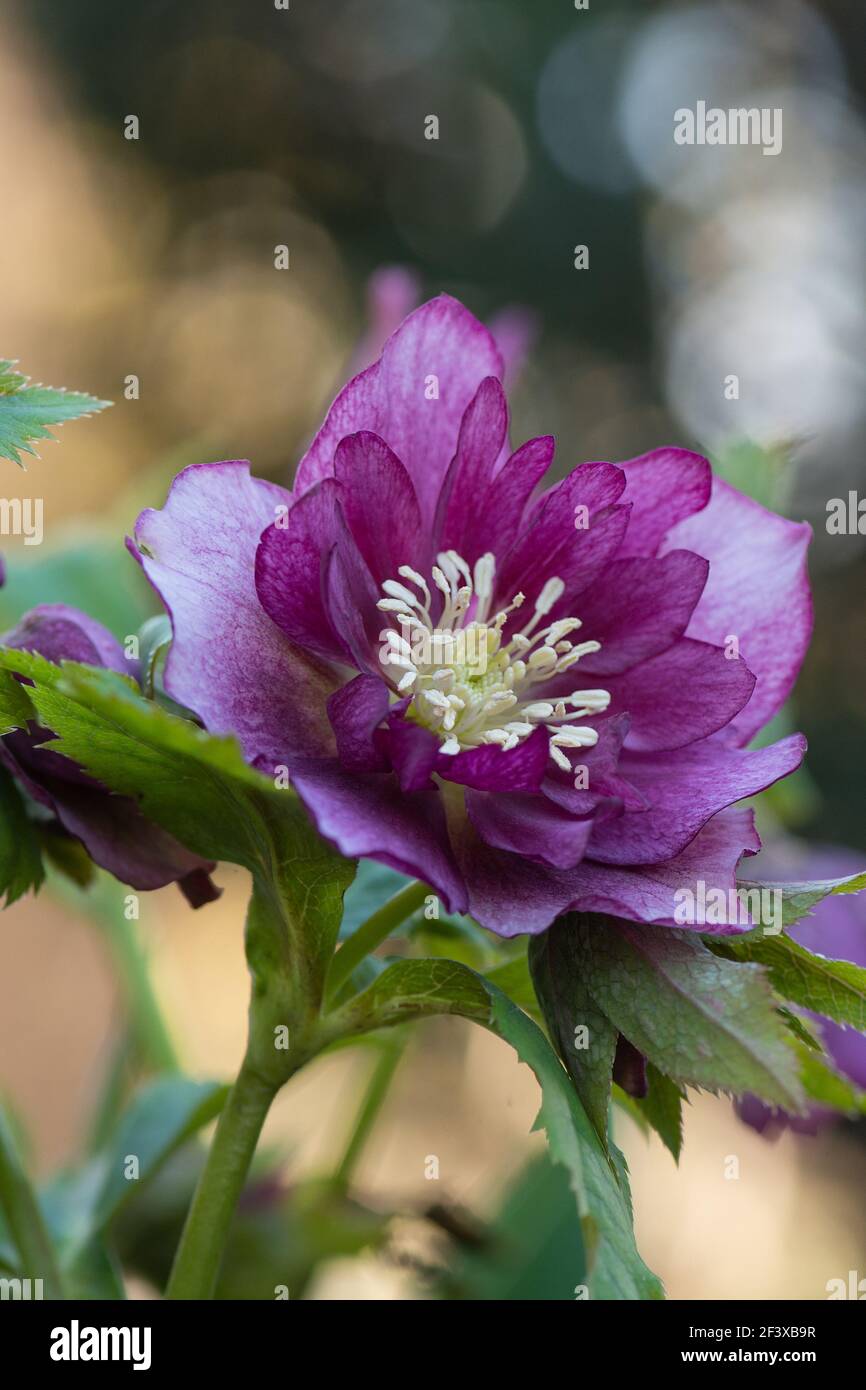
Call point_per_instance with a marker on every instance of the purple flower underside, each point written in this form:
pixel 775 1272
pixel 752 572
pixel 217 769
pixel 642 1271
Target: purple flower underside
pixel 115 833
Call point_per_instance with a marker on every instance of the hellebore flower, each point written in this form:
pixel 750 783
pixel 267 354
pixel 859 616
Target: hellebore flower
pixel 533 700
pixel 112 829
pixel 836 929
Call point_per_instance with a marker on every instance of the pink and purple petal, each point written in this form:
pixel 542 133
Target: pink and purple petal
pixel 684 789
pixel 638 608
pixel 757 592
pixel 414 397
pixel 228 661
pixel 663 488
pixel 679 697
pixel 370 816
pixel 511 896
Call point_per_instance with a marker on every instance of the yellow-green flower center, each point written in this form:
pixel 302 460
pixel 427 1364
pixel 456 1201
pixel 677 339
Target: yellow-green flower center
pixel 467 683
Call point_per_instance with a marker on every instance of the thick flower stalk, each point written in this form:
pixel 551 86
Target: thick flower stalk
pixel 533 698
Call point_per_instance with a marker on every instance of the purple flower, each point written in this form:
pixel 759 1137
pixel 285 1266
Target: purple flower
pixel 836 929
pixel 112 829
pixel 530 699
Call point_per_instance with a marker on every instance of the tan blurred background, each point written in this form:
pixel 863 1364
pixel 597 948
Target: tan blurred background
pixel 155 258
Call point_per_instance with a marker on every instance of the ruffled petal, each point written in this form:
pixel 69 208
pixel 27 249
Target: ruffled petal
pixel 684 789
pixel 61 633
pixel 380 505
pixel 686 693
pixel 490 768
pixel 464 499
pixel 356 711
pixel 414 397
pixel 663 487
pixel 638 608
pixel 603 782
pixel 529 825
pixel 290 564
pixel 572 531
pixel 498 522
pixel 510 895
pixel 758 591
pixel 350 599
pixel 228 661
pixel 370 816
pixel 414 751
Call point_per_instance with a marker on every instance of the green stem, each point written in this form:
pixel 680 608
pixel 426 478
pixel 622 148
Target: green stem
pixel 390 1053
pixel 279 999
pixel 197 1263
pixel 24 1217
pixel 153 1038
pixel 371 934
pixel 104 904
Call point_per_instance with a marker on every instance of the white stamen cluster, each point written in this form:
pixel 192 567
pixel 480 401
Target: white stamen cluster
pixel 469 686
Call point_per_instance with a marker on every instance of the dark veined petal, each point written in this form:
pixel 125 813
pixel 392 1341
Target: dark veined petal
pixel 684 788
pixel 512 895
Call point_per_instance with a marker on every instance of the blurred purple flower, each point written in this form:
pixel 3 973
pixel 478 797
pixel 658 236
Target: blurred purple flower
pixel 394 291
pixel 399 632
pixel 115 833
pixel 836 929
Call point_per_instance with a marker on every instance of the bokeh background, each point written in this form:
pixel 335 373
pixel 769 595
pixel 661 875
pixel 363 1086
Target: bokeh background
pixel 154 257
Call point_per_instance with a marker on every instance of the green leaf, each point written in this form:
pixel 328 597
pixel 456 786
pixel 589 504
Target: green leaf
pixel 698 1018
pixel 797 1025
pixel 15 706
pixel 95 1274
pixel 161 1117
pixel 198 786
pixel 514 979
pixel 532 1250
pixel 20 857
pixel 411 989
pixel 834 988
pixel 798 899
pixel 81 1204
pixel 662 1106
pixel 824 1085
pixel 27 412
pixel 581 1032
pixel 371 888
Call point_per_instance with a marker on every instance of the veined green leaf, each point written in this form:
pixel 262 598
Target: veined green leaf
pixel 835 988
pixel 662 1107
pixel 198 786
pixel 410 989
pixel 27 413
pixel 698 1018
pixel 581 1032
